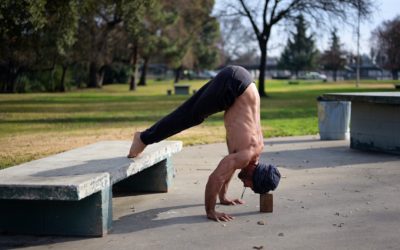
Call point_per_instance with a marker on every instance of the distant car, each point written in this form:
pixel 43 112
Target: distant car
pixel 283 74
pixel 314 76
pixel 206 74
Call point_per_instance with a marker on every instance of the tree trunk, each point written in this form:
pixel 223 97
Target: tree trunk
pixel 92 75
pixel 96 76
pixel 395 74
pixel 12 83
pixel 261 77
pixel 133 62
pixel 143 74
pixel 100 76
pixel 10 80
pixel 52 81
pixel 178 72
pixel 334 75
pixel 62 81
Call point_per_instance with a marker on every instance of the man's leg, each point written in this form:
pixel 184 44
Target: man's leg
pixel 217 95
pixel 205 102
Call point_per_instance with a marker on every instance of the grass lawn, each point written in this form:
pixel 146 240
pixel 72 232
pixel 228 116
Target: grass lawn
pixel 39 124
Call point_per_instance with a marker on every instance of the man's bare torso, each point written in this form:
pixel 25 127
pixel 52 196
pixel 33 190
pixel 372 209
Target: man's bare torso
pixel 242 123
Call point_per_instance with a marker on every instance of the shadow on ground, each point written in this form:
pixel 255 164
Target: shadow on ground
pixel 314 156
pixel 162 217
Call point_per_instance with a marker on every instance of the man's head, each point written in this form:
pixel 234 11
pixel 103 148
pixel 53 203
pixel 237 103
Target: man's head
pixel 261 178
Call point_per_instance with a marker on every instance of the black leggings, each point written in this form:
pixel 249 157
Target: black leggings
pixel 216 95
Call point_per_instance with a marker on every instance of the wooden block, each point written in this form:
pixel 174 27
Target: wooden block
pixel 266 203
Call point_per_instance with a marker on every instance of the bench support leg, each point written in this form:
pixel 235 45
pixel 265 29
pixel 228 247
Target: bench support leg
pixel 375 127
pixel 157 178
pixel 91 216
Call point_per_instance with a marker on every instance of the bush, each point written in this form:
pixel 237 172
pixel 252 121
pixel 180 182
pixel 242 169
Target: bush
pixel 116 73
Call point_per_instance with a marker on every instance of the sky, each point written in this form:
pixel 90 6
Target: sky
pixel 387 10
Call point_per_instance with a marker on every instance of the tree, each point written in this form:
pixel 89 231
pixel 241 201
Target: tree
pixel 153 38
pixel 134 26
pixel 273 12
pixel 231 43
pixel 194 16
pixel 334 58
pixel 300 52
pixel 34 35
pixel 205 46
pixel 99 26
pixel 386 40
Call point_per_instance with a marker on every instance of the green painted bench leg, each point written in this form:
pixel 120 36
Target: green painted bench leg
pixel 91 216
pixel 157 178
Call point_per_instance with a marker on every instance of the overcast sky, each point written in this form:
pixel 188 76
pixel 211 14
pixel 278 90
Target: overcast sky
pixel 388 9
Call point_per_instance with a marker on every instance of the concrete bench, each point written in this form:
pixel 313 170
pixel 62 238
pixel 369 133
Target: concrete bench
pixel 181 89
pixel 71 193
pixel 375 120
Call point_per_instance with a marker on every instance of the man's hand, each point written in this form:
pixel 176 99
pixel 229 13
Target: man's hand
pixel 230 202
pixel 219 216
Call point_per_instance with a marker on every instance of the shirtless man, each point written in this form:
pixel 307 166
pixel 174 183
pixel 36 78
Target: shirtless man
pixel 234 92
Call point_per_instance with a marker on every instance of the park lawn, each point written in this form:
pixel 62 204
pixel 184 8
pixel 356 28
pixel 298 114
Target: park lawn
pixel 40 124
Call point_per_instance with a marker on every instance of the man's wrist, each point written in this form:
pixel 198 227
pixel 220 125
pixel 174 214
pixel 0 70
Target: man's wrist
pixel 210 210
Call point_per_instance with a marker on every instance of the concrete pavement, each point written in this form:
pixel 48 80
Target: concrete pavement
pixel 330 197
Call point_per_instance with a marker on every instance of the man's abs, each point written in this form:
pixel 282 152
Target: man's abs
pixel 242 122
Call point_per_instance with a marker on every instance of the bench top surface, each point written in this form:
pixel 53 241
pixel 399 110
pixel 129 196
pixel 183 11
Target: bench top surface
pixel 373 97
pixel 78 173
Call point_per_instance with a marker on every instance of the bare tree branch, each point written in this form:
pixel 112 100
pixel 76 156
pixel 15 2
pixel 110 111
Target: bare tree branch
pixel 250 17
pixel 273 10
pixel 265 14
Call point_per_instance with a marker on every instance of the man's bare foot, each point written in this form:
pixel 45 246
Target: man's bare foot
pixel 137 146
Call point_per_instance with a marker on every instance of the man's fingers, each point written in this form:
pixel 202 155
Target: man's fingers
pixel 220 217
pixel 226 217
pixel 239 201
pixel 223 219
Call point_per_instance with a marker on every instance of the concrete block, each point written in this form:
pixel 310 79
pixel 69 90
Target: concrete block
pixel 91 216
pixel 70 193
pixel 182 89
pixel 374 127
pixel 78 173
pixel 157 178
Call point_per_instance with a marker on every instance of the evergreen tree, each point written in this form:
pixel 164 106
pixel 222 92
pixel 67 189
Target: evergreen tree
pixel 205 46
pixel 334 58
pixel 153 39
pixel 300 52
pixel 186 43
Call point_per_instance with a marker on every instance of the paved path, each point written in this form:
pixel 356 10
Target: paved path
pixel 330 197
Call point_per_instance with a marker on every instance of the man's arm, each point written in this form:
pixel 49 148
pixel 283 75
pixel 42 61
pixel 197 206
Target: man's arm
pixel 221 174
pixel 222 194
